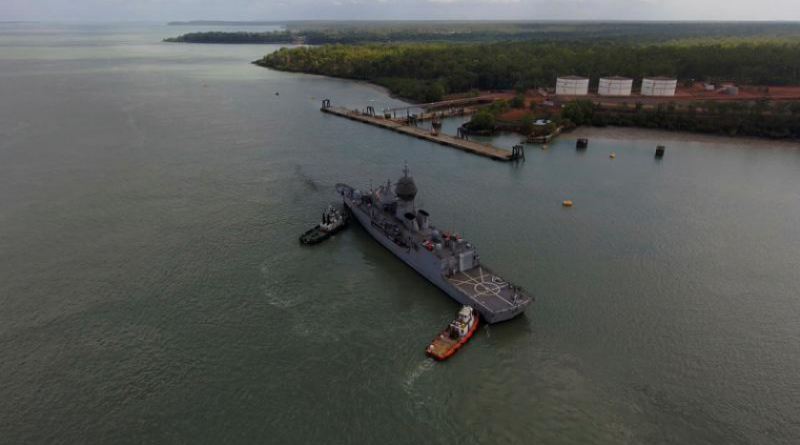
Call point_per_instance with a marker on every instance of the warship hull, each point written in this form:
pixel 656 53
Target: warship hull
pixel 479 287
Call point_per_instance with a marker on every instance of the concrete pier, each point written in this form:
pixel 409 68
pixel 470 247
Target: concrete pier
pixel 399 126
pixel 445 113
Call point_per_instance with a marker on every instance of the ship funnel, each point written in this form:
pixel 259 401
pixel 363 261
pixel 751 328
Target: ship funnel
pixel 422 219
pixel 411 221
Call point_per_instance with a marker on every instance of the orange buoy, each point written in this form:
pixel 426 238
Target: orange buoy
pixel 567 203
pixel 612 155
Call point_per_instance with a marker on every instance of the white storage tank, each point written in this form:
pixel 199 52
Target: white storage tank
pixel 572 86
pixel 615 86
pixel 659 86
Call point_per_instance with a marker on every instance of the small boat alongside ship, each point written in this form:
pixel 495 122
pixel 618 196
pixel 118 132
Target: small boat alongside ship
pixel 457 333
pixel 333 220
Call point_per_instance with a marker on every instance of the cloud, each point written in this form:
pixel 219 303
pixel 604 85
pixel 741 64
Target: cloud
pixel 164 10
pixel 476 2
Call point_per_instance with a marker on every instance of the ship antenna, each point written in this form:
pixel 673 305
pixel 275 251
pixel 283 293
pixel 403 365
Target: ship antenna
pixel 405 169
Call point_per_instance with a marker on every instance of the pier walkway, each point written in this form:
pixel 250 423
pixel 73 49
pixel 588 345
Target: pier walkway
pixel 450 103
pixel 442 114
pixel 399 126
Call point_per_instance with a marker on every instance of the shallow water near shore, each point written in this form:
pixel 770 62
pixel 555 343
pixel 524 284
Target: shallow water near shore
pixel 153 289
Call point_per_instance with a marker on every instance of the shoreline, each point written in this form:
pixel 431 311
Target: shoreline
pixel 618 133
pixel 610 132
pixel 364 82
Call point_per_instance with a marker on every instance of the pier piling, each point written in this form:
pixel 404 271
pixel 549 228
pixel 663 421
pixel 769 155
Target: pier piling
pixel 518 153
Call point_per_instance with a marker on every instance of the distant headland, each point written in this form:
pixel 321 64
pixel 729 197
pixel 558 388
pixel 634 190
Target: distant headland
pixel 223 23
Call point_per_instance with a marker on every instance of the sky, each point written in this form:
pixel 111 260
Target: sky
pixel 167 10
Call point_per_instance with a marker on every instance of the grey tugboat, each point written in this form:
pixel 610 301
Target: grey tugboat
pixel 447 260
pixel 333 220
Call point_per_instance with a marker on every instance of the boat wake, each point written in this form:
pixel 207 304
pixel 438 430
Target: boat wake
pixel 277 291
pixel 415 374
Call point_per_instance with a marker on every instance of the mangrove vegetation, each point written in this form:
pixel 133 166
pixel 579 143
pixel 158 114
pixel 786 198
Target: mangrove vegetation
pixel 426 72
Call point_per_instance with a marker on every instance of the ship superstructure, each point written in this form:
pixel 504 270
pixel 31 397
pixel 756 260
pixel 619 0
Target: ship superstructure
pixel 389 213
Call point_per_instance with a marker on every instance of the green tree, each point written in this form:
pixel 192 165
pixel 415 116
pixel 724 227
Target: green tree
pixel 434 92
pixel 483 120
pixel 518 101
pixel 499 107
pixel 526 124
pixel 579 111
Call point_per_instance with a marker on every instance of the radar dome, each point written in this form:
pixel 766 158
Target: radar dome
pixel 405 188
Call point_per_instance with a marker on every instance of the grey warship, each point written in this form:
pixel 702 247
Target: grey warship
pixel 390 215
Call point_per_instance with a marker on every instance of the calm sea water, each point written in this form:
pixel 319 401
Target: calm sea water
pixel 152 289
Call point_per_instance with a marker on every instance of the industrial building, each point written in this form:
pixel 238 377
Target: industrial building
pixel 729 88
pixel 615 86
pixel 572 86
pixel 659 86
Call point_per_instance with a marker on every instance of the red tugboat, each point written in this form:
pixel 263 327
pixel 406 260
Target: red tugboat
pixel 457 333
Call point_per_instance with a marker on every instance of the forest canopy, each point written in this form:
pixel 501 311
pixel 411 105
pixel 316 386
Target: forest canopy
pixel 567 32
pixel 427 71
